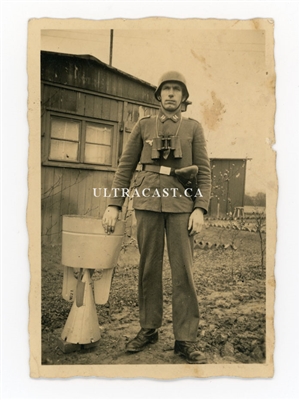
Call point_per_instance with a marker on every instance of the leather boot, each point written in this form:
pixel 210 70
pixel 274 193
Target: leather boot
pixel 189 351
pixel 143 338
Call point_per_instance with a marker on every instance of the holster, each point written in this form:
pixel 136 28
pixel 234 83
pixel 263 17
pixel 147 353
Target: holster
pixel 190 184
pixel 188 178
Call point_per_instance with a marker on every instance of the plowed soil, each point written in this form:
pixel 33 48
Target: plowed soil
pixel 230 282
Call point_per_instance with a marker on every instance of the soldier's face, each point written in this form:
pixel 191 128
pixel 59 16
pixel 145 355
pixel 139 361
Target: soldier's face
pixel 171 96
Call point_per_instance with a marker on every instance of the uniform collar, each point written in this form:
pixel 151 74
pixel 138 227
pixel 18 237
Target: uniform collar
pixel 175 117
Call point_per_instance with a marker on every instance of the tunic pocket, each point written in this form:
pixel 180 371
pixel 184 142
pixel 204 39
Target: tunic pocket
pixel 138 180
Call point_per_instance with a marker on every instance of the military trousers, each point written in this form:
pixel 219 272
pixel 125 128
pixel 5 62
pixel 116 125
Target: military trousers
pixel 152 228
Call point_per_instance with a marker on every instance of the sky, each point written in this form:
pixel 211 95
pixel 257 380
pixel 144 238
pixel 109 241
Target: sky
pixel 226 77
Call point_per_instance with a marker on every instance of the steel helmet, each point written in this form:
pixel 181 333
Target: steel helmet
pixel 172 76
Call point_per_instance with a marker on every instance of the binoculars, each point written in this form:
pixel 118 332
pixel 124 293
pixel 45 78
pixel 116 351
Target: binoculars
pixel 165 143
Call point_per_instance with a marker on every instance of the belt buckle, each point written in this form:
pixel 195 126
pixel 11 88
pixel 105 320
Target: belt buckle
pixel 164 170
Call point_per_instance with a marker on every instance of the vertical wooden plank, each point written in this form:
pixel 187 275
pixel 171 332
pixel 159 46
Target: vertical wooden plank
pixel 56 206
pixel 236 183
pixel 135 113
pixel 101 176
pixel 88 193
pixel 120 111
pixel 106 109
pixel 44 90
pixel 103 200
pixel 103 80
pixel 114 84
pixel 98 105
pixel 124 119
pixel 43 204
pixel 125 85
pixel 115 145
pixel 71 72
pixel 120 86
pixel 65 191
pixel 82 192
pixel 80 103
pixel 120 128
pixel 81 76
pixel 109 78
pixel 109 181
pixel 130 90
pixel 54 97
pixel 113 110
pixel 63 70
pixel 217 186
pixel 68 100
pixel 143 111
pixel 89 105
pixel 45 99
pixel 138 91
pixel 212 202
pixel 91 75
pixel 244 180
pixel 225 206
pixel 98 80
pixel 96 182
pixel 76 176
pixel 129 112
pixel 47 198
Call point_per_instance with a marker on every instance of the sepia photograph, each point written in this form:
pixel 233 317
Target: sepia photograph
pixel 153 160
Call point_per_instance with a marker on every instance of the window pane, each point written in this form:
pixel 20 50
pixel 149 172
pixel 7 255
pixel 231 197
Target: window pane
pixel 97 154
pixel 64 129
pixel 63 151
pixel 99 134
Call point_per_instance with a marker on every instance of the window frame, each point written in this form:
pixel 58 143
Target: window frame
pixel 83 121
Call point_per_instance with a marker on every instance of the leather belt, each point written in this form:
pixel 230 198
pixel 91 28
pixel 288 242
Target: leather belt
pixel 158 169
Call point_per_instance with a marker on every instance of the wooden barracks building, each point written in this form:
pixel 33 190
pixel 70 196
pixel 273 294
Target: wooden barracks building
pixel 88 110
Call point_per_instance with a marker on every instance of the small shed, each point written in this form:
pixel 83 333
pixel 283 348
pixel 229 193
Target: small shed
pixel 88 109
pixel 228 185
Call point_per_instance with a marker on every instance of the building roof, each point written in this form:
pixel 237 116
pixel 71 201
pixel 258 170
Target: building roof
pixel 88 57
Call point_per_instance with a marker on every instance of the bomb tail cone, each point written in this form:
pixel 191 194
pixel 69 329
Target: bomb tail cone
pixel 82 325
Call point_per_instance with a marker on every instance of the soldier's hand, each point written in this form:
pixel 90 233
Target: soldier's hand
pixel 110 218
pixel 196 222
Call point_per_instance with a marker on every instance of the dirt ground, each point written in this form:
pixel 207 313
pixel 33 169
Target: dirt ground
pixel 230 282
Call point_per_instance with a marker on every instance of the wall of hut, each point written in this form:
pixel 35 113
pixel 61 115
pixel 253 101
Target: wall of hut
pixel 87 113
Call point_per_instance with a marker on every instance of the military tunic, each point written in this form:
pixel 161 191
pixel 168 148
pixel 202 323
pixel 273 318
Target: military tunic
pixel 160 216
pixel 139 149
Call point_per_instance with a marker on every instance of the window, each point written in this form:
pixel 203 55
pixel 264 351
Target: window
pixel 64 142
pixel 98 144
pixel 80 141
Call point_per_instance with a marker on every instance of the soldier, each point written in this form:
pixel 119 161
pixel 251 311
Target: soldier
pixel 172 153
